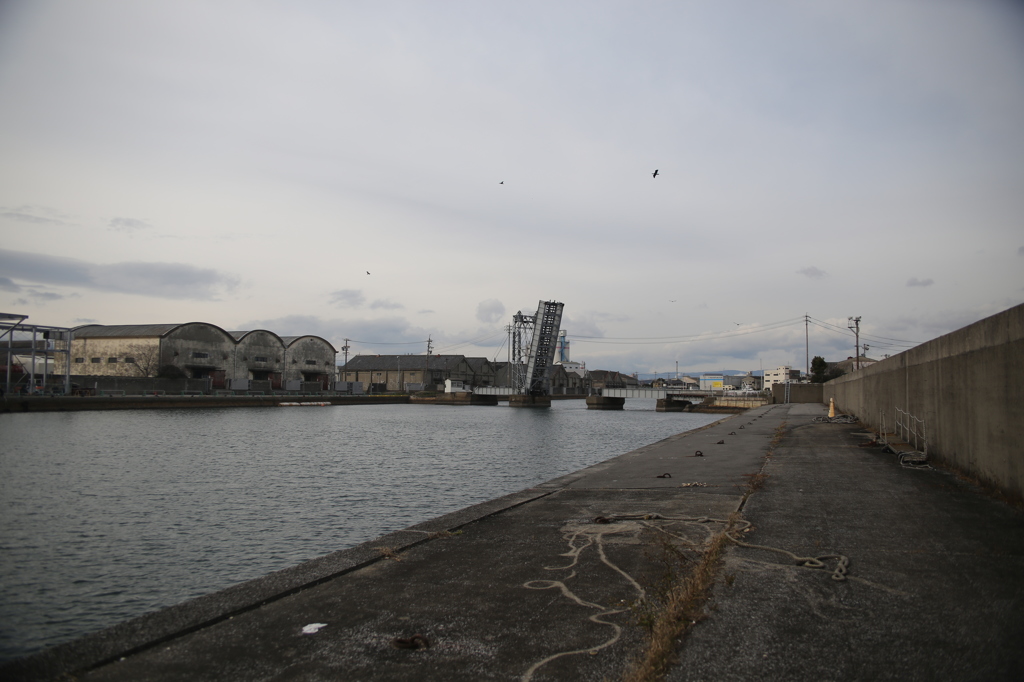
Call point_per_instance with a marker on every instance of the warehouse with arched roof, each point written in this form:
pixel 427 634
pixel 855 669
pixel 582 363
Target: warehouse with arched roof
pixel 200 350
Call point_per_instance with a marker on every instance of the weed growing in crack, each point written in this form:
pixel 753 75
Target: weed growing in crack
pixel 389 553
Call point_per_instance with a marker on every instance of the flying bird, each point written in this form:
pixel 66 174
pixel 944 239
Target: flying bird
pixel 655 174
pixel 502 182
pixel 367 272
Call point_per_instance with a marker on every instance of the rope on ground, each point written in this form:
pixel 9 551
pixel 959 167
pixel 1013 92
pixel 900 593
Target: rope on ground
pixel 816 562
pixel 589 539
pixel 580 539
pixel 838 419
pixel 912 459
pixel 838 573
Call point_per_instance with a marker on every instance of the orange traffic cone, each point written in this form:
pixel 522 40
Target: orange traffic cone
pixel 831 408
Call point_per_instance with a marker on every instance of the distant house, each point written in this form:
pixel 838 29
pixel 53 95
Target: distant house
pixel 483 371
pixel 568 381
pixel 604 378
pixel 849 364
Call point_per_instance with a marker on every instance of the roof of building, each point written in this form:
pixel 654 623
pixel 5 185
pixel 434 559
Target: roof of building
pixel 239 335
pixel 123 330
pixel 289 340
pixel 405 362
pixel 847 365
pixel 479 364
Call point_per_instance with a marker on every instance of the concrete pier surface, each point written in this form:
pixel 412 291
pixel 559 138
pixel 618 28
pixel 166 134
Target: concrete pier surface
pixel 555 582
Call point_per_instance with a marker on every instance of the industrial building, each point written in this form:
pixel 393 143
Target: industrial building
pixel 201 350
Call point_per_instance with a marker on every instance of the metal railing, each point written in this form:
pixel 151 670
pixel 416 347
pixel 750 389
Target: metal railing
pixel 908 426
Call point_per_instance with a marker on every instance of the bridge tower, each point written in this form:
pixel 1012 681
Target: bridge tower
pixel 520 335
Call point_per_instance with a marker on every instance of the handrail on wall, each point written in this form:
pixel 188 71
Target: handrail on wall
pixel 907 426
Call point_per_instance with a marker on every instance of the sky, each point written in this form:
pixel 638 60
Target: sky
pixel 389 172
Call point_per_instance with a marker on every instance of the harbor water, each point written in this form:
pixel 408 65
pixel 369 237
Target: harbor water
pixel 110 515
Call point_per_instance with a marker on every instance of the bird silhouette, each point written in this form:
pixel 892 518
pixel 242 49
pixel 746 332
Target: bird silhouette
pixel 367 272
pixel 502 182
pixel 655 174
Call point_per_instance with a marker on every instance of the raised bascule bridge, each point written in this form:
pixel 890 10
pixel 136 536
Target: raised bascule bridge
pixel 533 344
pixel 533 340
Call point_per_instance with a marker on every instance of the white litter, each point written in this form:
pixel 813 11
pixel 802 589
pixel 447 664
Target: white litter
pixel 313 628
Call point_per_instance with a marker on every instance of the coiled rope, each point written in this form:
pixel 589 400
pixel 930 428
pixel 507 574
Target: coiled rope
pixel 741 526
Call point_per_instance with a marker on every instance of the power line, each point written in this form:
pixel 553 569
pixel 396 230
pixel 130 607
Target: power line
pixel 712 336
pixel 876 338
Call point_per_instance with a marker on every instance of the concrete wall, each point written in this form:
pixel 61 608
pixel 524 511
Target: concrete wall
pixel 145 351
pixel 968 386
pixel 798 393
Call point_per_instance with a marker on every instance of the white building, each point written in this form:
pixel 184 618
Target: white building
pixel 782 375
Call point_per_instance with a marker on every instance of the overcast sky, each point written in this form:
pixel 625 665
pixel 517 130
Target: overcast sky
pixel 249 163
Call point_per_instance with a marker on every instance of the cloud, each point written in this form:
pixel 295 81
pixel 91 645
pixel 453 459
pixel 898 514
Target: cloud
pixel 915 282
pixel 581 325
pixel 29 218
pixel 386 335
pixel 812 272
pixel 490 310
pixel 384 304
pixel 7 284
pixel 161 280
pixel 347 298
pixel 43 297
pixel 426 312
pixel 128 225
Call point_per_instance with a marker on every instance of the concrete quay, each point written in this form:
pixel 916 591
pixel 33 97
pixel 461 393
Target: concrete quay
pixel 553 582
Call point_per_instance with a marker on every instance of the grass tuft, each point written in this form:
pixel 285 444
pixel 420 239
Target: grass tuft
pixel 678 601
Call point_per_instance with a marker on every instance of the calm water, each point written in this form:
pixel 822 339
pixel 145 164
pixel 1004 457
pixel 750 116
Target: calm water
pixel 108 515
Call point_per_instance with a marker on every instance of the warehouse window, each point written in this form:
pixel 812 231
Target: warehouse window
pixel 79 360
pixel 310 362
pixel 94 361
pixel 200 356
pixel 260 358
pixel 111 361
pixel 130 361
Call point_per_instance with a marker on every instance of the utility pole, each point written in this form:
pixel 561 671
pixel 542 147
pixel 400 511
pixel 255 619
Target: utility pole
pixel 807 347
pixel 345 348
pixel 854 324
pixel 430 345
